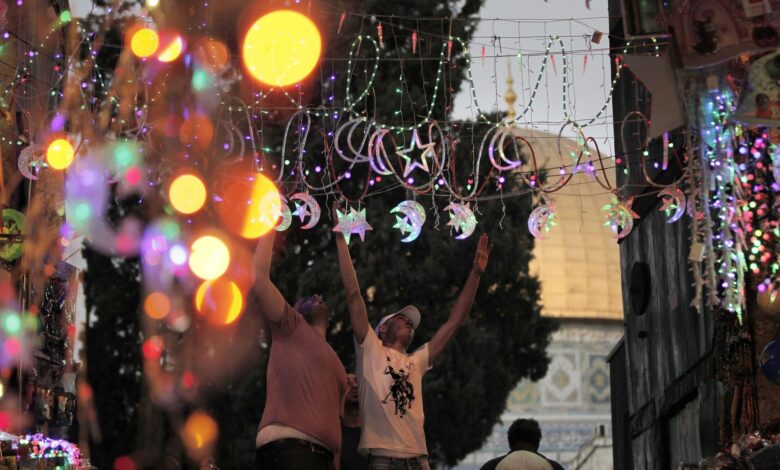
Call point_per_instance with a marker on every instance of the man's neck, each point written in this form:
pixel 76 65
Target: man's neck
pixel 395 345
pixel 320 328
pixel 525 447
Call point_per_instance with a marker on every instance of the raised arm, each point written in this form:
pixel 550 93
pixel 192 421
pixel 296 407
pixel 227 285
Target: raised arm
pixel 271 301
pixel 465 300
pixel 355 304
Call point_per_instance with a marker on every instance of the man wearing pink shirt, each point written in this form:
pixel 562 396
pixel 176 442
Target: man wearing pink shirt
pixel 306 383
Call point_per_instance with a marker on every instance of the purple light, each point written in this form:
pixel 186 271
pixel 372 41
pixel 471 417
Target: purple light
pixel 501 179
pixel 317 169
pixel 410 180
pixel 348 175
pixel 58 123
pixel 441 181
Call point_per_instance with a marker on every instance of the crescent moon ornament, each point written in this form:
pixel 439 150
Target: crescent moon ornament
pixel 542 219
pixel 620 217
pixel 308 208
pixel 31 159
pixel 499 138
pixel 673 200
pixel 377 155
pixel 462 218
pixel 285 216
pixel 411 221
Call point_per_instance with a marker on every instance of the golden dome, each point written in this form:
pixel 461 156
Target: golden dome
pixel 579 264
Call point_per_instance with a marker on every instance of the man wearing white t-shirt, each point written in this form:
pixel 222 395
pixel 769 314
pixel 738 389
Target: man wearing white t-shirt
pixel 390 379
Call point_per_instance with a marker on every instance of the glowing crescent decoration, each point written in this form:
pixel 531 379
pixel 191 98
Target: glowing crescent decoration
pixel 673 200
pixel 309 208
pixel 411 221
pixel 285 216
pixel 501 136
pixel 32 157
pixel 542 219
pixel 462 218
pixel 377 154
pixel 620 217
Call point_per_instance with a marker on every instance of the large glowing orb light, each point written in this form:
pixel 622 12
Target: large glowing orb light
pixel 281 48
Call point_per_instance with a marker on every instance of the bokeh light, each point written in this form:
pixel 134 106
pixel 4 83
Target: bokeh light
pixel 153 348
pixel 124 463
pixel 144 42
pixel 200 431
pixel 171 47
pixel 250 205
pixel 59 154
pixel 157 305
pixel 281 48
pixel 196 130
pixel 209 257
pixel 187 193
pixel 220 301
pixel 212 55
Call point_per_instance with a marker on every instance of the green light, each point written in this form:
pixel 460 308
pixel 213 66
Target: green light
pixel 12 324
pixel 171 230
pixel 124 155
pixel 65 16
pixel 83 211
pixel 200 80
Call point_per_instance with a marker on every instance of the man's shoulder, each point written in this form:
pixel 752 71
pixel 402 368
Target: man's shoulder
pixel 491 464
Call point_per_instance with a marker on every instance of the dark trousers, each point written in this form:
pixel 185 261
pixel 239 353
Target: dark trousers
pixel 376 462
pixel 286 454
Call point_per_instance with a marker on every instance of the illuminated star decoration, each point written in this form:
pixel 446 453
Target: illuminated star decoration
pixel 422 164
pixel 620 217
pixel 301 211
pixel 352 222
pixel 462 218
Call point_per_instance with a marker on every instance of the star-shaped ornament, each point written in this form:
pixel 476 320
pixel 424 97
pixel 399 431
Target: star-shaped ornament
pixel 462 218
pixel 352 222
pixel 403 224
pixel 422 164
pixel 301 211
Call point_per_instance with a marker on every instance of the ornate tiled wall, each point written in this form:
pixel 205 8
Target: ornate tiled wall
pixel 570 402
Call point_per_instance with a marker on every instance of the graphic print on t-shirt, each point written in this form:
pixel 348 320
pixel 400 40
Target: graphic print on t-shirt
pixel 401 390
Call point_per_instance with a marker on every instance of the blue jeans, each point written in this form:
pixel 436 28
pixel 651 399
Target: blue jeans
pixel 376 462
pixel 286 454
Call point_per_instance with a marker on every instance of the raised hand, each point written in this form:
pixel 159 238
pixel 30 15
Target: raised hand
pixel 482 255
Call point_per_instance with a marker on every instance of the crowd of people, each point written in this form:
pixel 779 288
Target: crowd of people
pixel 317 416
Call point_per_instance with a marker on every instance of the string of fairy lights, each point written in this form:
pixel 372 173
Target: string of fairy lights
pixel 320 148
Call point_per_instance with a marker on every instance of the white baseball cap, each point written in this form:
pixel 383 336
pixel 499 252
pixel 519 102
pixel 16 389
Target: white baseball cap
pixel 410 312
